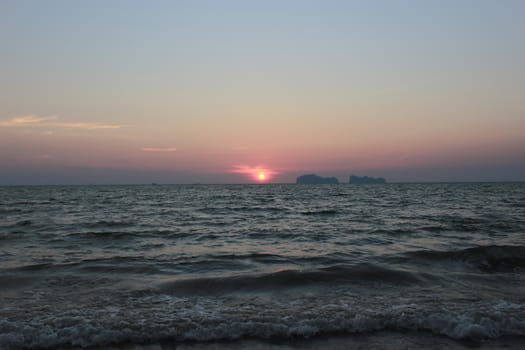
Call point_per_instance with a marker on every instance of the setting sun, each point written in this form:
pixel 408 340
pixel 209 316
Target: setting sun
pixel 259 173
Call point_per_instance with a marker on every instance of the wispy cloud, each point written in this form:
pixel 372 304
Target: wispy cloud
pixel 27 120
pixel 88 126
pixel 159 149
pixel 52 122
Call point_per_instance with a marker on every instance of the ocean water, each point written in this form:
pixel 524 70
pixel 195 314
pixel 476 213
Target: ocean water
pixel 394 266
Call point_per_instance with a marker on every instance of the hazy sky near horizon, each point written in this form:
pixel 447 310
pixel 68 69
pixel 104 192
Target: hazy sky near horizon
pixel 219 91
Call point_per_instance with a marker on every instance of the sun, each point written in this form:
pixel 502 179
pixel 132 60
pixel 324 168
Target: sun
pixel 256 174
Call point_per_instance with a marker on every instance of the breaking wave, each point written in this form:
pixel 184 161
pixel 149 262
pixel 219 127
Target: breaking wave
pixel 157 317
pixel 491 258
pixel 281 280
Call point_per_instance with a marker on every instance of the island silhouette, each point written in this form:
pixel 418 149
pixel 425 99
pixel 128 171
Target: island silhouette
pixel 354 179
pixel 312 179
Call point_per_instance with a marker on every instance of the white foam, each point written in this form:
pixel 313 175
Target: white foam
pixel 150 318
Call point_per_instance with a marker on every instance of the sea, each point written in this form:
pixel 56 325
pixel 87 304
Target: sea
pixel 378 266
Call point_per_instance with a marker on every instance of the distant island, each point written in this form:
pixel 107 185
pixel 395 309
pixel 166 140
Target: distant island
pixel 366 180
pixel 312 179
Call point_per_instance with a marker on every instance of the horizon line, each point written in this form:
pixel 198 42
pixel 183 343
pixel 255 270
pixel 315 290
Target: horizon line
pixel 263 184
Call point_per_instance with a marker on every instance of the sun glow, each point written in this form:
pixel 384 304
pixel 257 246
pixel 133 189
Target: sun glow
pixel 261 174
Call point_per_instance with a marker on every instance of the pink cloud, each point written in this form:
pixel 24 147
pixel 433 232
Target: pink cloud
pixel 159 149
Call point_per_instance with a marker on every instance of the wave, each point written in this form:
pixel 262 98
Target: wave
pixel 121 263
pixel 11 282
pixel 12 234
pixel 235 263
pixel 10 210
pixel 320 212
pixel 488 223
pixel 243 209
pixel 19 224
pixel 154 318
pixel 493 258
pixel 106 234
pixel 108 223
pixel 16 230
pixel 280 280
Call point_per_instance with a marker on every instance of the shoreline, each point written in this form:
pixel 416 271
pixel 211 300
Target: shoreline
pixel 380 340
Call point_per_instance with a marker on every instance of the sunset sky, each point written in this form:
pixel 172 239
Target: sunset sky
pixel 105 91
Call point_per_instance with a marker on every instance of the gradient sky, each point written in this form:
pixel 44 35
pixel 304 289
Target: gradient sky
pixel 217 91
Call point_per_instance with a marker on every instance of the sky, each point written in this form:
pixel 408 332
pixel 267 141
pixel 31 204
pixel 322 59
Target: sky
pixel 125 91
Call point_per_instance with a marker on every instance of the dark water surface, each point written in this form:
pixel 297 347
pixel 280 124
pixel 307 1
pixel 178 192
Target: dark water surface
pixel 191 266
